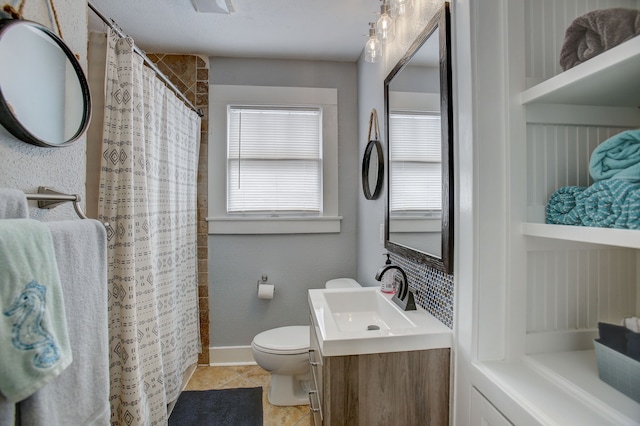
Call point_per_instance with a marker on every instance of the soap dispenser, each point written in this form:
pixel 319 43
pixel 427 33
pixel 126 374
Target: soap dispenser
pixel 389 279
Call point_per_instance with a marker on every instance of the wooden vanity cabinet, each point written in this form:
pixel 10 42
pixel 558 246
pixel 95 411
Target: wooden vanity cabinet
pixel 395 388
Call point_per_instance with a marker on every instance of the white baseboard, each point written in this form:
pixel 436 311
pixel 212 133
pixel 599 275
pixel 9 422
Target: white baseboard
pixel 230 355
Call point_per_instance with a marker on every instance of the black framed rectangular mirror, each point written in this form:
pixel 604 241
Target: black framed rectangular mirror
pixel 419 117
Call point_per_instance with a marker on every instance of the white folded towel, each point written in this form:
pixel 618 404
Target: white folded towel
pixel 633 324
pixel 80 395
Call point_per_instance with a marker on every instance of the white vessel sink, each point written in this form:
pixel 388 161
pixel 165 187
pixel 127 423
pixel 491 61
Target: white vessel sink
pixel 353 321
pixel 355 311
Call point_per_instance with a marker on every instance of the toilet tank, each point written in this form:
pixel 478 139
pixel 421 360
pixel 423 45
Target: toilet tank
pixel 342 283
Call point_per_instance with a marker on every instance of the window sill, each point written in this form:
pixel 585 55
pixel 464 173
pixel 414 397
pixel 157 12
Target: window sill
pixel 274 225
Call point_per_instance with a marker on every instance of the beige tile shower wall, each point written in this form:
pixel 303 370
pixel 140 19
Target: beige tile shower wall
pixel 190 74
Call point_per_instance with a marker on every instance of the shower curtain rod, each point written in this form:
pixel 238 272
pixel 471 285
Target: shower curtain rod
pixel 111 23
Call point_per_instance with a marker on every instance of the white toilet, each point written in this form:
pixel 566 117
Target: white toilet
pixel 283 352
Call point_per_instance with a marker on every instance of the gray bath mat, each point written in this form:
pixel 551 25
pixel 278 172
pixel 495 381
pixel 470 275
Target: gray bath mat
pixel 238 407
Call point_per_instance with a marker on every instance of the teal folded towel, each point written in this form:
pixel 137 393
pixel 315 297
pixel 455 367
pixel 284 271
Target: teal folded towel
pixel 34 343
pixel 612 203
pixel 561 208
pixel 618 157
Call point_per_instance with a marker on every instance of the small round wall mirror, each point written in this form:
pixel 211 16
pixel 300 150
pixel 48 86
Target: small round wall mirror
pixel 373 161
pixel 372 170
pixel 44 95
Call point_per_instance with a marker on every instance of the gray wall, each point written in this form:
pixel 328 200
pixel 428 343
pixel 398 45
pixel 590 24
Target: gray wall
pixel 25 166
pixel 370 212
pixel 294 263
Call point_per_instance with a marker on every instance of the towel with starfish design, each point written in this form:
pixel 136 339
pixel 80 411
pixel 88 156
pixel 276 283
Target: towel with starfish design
pixel 34 342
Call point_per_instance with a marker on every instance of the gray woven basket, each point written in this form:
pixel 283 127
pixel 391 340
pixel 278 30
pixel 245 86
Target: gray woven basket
pixel 618 370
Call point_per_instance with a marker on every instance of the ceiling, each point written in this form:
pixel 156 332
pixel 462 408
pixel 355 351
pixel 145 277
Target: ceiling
pixel 331 30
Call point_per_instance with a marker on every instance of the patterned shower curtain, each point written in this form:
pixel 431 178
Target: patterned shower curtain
pixel 148 184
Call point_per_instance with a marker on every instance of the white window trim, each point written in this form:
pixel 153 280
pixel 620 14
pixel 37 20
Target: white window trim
pixel 219 222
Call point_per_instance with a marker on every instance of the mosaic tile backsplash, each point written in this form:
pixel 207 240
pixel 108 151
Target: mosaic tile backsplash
pixel 433 288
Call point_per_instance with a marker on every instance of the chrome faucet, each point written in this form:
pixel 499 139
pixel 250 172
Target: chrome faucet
pixel 404 296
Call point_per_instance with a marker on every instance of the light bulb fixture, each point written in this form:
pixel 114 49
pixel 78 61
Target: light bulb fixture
pixel 384 26
pixel 373 47
pixel 213 6
pixel 401 8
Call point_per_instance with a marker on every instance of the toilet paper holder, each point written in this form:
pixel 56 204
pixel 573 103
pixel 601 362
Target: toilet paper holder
pixel 264 280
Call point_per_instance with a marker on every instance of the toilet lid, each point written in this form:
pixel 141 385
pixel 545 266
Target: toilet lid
pixel 284 340
pixel 342 283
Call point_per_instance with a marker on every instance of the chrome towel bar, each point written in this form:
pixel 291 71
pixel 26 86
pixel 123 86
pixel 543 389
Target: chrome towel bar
pixel 48 198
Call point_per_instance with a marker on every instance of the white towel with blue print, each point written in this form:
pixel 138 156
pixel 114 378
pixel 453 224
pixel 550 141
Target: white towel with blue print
pixel 34 343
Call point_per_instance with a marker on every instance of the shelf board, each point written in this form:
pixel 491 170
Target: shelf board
pixel 629 238
pixel 577 371
pixel 609 79
pixel 559 388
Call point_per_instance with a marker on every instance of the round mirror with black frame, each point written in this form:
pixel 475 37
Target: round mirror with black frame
pixel 373 161
pixel 372 170
pixel 44 94
pixel 419 118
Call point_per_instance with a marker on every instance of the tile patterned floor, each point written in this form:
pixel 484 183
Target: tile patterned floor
pixel 249 376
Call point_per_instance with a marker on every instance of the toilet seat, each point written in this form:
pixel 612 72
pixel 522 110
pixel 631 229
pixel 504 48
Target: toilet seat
pixel 291 340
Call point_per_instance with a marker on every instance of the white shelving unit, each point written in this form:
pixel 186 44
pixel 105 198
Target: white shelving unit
pixel 603 91
pixel 610 80
pixel 539 290
pixel 574 370
pixel 629 238
pixel 555 389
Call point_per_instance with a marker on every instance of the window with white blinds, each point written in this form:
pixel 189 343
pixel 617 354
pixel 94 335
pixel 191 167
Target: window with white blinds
pixel 274 160
pixel 415 163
